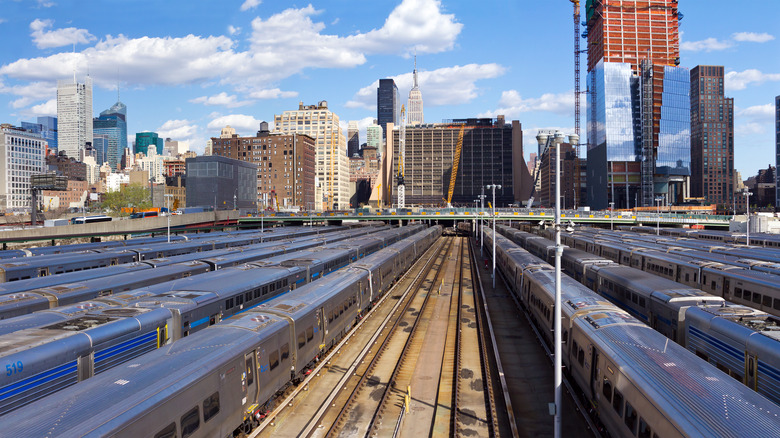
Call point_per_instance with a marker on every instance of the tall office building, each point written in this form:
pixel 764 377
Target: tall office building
pixel 332 190
pixel 492 153
pixel 113 123
pixel 712 137
pixel 22 154
pixel 47 127
pixel 74 115
pixel 638 105
pixel 374 137
pixel 415 106
pixel 353 139
pixel 285 165
pixel 388 104
pixel 777 149
pixel 144 140
pixel 101 144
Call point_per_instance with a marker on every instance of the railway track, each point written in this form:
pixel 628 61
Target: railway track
pixel 413 367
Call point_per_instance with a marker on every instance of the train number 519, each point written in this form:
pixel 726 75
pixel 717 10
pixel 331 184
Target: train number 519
pixel 13 368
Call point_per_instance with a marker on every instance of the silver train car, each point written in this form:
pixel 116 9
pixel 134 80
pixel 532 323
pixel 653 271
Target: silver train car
pixel 221 381
pixel 637 382
pixel 182 307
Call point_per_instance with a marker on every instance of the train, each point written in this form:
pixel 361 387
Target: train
pixel 635 381
pixel 759 239
pixel 77 289
pixel 741 341
pixel 54 356
pixel 53 264
pixel 221 381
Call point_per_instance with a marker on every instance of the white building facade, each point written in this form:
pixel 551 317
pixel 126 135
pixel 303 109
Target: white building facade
pixel 332 188
pixel 74 115
pixel 415 104
pixel 22 154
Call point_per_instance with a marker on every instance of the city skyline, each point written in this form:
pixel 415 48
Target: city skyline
pixel 200 71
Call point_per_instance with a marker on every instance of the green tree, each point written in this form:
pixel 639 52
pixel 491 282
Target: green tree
pixel 133 196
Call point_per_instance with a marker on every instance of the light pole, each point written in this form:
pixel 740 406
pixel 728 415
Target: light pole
pixel 557 309
pixel 494 187
pixel 658 216
pixel 168 203
pixel 482 232
pixel 747 194
pixel 476 221
pixel 611 214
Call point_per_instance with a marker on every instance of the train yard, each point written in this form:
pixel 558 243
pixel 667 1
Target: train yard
pixel 369 330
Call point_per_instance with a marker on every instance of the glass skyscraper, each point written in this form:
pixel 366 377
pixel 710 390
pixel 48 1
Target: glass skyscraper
pixel 145 139
pixel 113 123
pixel 388 104
pixel 47 127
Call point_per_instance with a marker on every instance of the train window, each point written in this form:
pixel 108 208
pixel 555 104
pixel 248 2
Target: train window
pixel 776 304
pixel 644 429
pixel 210 407
pixel 756 298
pixel 617 403
pixel 574 346
pixel 257 293
pixel 641 302
pixel 250 375
pixel 286 282
pixel 310 333
pixel 581 357
pixel 301 339
pixel 738 292
pixel 249 296
pixel 631 418
pixel 168 432
pixel 702 355
pixel 239 300
pixel 273 359
pixel 687 277
pixel 767 301
pixel 746 296
pixel 285 350
pixel 265 289
pixel 713 284
pixel 607 390
pixel 190 422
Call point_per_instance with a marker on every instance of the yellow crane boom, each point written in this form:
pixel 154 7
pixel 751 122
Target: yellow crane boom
pixel 455 163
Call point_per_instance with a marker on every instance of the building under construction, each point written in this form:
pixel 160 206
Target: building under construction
pixel 491 153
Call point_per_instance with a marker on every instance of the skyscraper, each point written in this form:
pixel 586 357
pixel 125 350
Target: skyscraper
pixel 374 137
pixel 415 106
pixel 638 105
pixel 113 123
pixel 143 140
pixel 22 154
pixel 777 149
pixel 388 104
pixel 712 137
pixel 47 127
pixel 353 139
pixel 74 115
pixel 332 165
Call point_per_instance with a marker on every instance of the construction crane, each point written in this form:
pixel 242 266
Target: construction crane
pixel 455 163
pixel 401 158
pixel 577 93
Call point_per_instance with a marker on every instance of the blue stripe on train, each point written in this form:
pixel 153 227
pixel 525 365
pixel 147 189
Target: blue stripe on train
pixel 38 379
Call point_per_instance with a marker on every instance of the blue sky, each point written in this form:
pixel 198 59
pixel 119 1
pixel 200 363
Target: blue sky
pixel 187 68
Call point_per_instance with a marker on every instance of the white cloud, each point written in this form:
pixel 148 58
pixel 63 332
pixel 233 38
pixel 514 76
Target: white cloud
pixel 740 80
pixel 29 93
pixel 250 4
pixel 759 112
pixel 48 108
pixel 707 45
pixel 233 30
pixel 752 128
pixel 512 104
pixel 273 93
pixel 230 101
pixel 46 3
pixel 444 86
pixel 2 20
pixel 242 123
pixel 46 39
pixel 752 37
pixel 177 130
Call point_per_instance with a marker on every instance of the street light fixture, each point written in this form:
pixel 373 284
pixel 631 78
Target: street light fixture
pixel 494 187
pixel 168 203
pixel 476 221
pixel 611 216
pixel 482 232
pixel 747 194
pixel 658 201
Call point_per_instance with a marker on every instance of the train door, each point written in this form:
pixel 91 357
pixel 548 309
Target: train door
pixel 320 324
pixel 751 365
pixel 594 370
pixel 726 289
pixel 249 382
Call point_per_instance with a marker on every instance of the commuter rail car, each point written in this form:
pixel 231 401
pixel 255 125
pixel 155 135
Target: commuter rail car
pixel 181 308
pixel 638 383
pixel 220 381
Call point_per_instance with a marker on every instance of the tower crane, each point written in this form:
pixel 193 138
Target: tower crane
pixel 577 93
pixel 401 158
pixel 455 163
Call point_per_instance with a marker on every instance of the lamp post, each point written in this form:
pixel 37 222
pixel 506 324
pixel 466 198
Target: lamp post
pixel 476 221
pixel 168 203
pixel 557 309
pixel 494 187
pixel 658 216
pixel 611 214
pixel 482 232
pixel 747 194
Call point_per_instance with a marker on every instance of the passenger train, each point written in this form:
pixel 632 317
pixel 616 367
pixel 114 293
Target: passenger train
pixel 221 381
pixel 637 383
pixel 47 358
pixel 741 341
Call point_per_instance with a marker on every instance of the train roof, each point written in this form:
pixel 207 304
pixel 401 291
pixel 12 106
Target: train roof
pixel 688 391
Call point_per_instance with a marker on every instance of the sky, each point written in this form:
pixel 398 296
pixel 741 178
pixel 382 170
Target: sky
pixel 185 69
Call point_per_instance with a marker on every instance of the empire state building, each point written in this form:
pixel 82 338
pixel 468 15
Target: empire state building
pixel 415 102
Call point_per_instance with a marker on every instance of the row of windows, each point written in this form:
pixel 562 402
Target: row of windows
pixel 636 424
pixel 621 292
pixel 339 310
pixel 757 298
pixel 255 294
pixel 190 422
